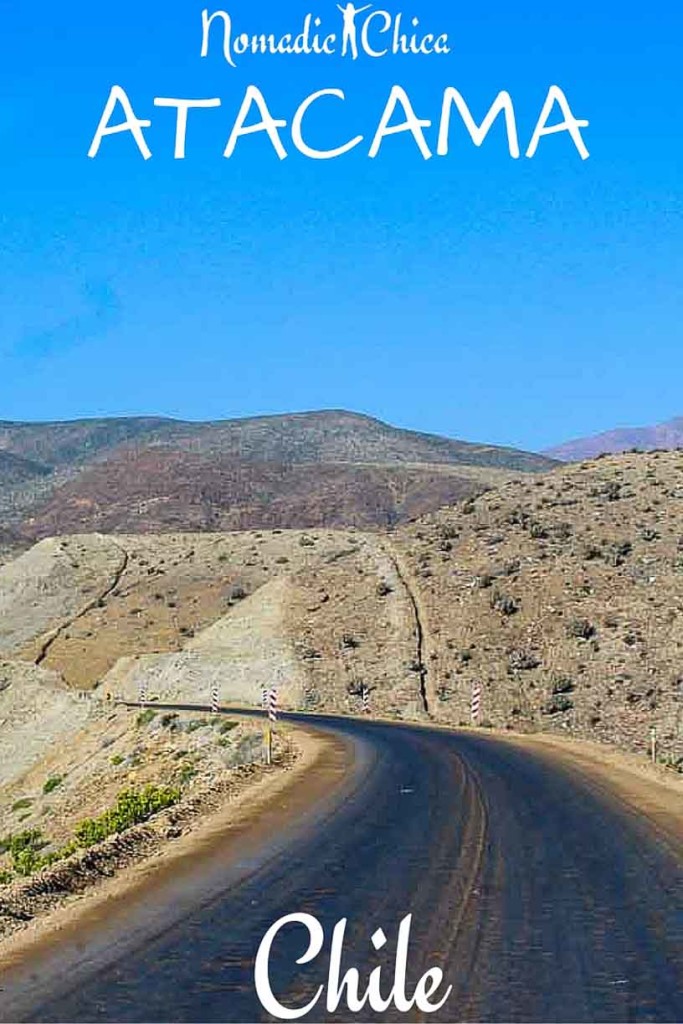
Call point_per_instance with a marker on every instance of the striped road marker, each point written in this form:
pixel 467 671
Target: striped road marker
pixel 214 699
pixel 142 694
pixel 365 697
pixel 272 704
pixel 476 701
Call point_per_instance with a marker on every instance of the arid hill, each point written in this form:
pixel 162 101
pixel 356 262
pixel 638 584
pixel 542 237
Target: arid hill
pixel 160 490
pixel 667 435
pixel 563 598
pixel 560 595
pixel 301 470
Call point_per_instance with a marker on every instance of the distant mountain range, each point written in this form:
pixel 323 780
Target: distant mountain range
pixel 300 470
pixel 664 435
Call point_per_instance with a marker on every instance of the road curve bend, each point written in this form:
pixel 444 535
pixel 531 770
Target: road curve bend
pixel 541 896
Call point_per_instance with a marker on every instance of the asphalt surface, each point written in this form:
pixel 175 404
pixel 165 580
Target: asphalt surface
pixel 540 897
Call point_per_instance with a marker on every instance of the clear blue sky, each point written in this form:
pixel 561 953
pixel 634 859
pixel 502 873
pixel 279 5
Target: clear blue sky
pixel 522 302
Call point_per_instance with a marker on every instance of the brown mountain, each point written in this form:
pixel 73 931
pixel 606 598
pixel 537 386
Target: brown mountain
pixel 16 470
pixel 159 490
pixel 667 435
pixel 299 470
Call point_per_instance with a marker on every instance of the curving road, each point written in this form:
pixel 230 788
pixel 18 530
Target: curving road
pixel 541 896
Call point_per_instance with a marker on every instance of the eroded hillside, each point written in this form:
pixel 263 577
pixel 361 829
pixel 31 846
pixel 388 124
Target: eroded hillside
pixel 563 598
pixel 560 595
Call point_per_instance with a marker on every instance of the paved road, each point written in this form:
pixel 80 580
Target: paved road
pixel 542 898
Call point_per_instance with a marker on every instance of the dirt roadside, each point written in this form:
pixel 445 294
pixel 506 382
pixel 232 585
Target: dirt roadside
pixel 258 806
pixel 651 793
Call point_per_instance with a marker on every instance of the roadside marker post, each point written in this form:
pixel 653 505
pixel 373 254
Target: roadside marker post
pixel 365 697
pixel 269 698
pixel 653 743
pixel 142 694
pixel 214 699
pixel 476 702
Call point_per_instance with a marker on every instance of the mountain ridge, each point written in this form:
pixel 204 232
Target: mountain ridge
pixel 667 435
pixel 295 471
pixel 299 436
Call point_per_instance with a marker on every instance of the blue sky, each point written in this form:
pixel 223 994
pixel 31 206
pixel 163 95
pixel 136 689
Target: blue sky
pixel 521 302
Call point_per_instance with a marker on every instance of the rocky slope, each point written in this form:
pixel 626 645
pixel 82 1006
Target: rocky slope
pixel 563 599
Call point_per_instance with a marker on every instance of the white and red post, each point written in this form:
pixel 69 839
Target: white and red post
pixel 476 703
pixel 270 706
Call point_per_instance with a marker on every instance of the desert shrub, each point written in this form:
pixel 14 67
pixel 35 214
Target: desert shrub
pixel 557 704
pixel 610 490
pixel 145 717
pixel 523 660
pixel 504 603
pixel 52 783
pixel 561 684
pixel 194 724
pixel 580 629
pixel 22 803
pixel 618 552
pixel 186 774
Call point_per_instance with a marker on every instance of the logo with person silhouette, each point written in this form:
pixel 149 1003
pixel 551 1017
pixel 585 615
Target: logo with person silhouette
pixel 350 31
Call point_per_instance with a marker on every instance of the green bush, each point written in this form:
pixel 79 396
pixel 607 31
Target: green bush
pixel 132 807
pixel 145 717
pixel 22 804
pixel 187 772
pixel 52 783
pixel 196 723
pixel 24 850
